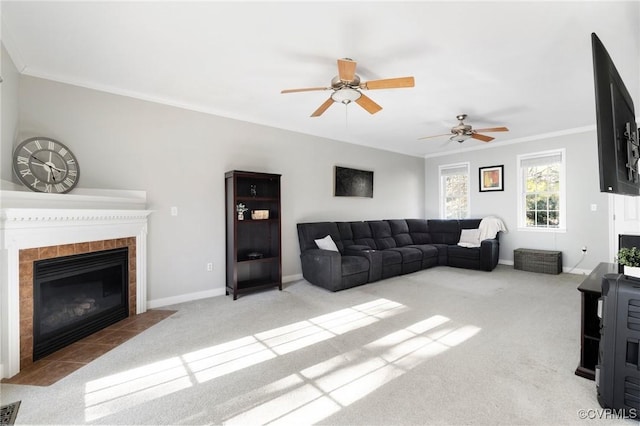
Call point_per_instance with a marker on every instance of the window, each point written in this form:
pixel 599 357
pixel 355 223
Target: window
pixel 541 195
pixel 454 191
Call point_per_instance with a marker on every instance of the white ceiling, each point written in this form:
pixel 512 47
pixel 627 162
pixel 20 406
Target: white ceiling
pixel 524 65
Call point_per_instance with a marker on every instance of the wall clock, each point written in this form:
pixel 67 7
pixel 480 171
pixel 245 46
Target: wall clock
pixel 46 165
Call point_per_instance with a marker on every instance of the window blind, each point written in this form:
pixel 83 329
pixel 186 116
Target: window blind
pixel 454 170
pixel 541 160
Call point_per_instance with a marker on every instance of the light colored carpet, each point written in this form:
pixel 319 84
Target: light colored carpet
pixel 441 346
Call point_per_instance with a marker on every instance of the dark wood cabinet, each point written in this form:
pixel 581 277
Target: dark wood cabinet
pixel 253 235
pixel 591 290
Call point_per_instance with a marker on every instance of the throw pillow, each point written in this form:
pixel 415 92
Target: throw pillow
pixel 469 238
pixel 326 243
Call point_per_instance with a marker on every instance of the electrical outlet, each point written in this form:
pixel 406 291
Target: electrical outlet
pixel 209 267
pixel 584 249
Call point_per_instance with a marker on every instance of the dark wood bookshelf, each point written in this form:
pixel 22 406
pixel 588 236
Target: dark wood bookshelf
pixel 254 253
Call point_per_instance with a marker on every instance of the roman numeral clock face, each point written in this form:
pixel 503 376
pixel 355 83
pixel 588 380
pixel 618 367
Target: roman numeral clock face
pixel 46 165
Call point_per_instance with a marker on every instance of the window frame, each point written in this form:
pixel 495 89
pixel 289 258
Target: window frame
pixel 562 204
pixel 441 187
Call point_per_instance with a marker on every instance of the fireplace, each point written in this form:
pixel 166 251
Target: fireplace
pixel 40 226
pixel 75 296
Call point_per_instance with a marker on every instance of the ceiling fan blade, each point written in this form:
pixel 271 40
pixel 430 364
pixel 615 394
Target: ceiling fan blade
pixel 482 138
pixel 323 108
pixel 366 103
pixel 434 136
pixel 307 89
pixel 389 83
pixel 493 129
pixel 346 69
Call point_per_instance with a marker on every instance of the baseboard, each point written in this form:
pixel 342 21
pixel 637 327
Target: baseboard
pixel 157 303
pixel 290 278
pixel 151 304
pixel 505 262
pixel 576 271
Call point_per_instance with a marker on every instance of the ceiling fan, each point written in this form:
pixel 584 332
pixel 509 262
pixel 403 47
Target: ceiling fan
pixel 462 131
pixel 347 87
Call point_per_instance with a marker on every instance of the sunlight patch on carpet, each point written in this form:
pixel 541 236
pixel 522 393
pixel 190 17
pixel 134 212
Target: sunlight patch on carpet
pixel 323 389
pixel 127 389
pixel 133 387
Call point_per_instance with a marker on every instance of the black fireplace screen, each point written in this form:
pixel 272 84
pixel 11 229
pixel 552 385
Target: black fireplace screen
pixel 75 296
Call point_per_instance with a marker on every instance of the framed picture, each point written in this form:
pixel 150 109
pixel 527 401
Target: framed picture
pixel 491 178
pixel 353 183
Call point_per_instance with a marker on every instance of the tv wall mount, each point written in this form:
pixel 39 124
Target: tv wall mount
pixel 633 152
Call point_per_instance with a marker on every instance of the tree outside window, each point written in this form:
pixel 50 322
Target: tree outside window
pixel 542 189
pixel 454 193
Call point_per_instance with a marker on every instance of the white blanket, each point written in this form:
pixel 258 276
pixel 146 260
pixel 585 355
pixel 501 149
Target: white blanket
pixel 490 226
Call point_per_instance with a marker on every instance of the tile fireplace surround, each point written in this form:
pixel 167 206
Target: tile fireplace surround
pixel 55 224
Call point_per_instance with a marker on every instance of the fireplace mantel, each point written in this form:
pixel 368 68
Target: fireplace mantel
pixel 30 220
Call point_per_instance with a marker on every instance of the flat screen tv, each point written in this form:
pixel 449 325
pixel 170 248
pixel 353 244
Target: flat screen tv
pixel 618 150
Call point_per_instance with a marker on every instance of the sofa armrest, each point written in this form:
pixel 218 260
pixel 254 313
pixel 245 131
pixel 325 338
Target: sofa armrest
pixel 322 268
pixel 489 254
pixel 374 257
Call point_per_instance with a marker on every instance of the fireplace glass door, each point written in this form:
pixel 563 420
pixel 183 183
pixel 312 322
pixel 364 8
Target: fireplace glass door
pixel 75 296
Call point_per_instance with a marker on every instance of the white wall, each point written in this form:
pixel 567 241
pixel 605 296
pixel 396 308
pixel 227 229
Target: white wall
pixel 8 126
pixel 9 110
pixel 584 227
pixel 179 157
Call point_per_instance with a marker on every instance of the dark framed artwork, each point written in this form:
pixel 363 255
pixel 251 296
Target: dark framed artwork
pixel 353 182
pixel 491 178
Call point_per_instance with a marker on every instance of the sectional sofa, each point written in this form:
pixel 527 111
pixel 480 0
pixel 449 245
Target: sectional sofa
pixel 356 253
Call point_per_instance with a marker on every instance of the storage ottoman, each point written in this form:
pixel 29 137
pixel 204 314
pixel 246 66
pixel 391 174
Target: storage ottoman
pixel 545 261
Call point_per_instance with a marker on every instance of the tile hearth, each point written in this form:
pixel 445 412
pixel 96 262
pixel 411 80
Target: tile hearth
pixel 60 364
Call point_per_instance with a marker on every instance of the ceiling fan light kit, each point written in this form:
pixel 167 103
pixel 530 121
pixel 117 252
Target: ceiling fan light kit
pixel 346 95
pixel 462 132
pixel 347 87
pixel 459 138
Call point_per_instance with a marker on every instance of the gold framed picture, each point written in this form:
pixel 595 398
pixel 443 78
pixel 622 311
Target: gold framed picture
pixel 491 178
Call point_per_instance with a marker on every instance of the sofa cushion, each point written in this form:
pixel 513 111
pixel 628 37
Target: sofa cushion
pixel 419 231
pixel 427 250
pixel 354 265
pixel 409 254
pixel 382 234
pixel 400 232
pixel 463 252
pixel 444 231
pixel 390 257
pixel 346 235
pixel 469 223
pixel 403 240
pixel 362 234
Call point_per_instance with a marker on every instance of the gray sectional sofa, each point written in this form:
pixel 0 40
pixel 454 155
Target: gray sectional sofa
pixel 372 250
